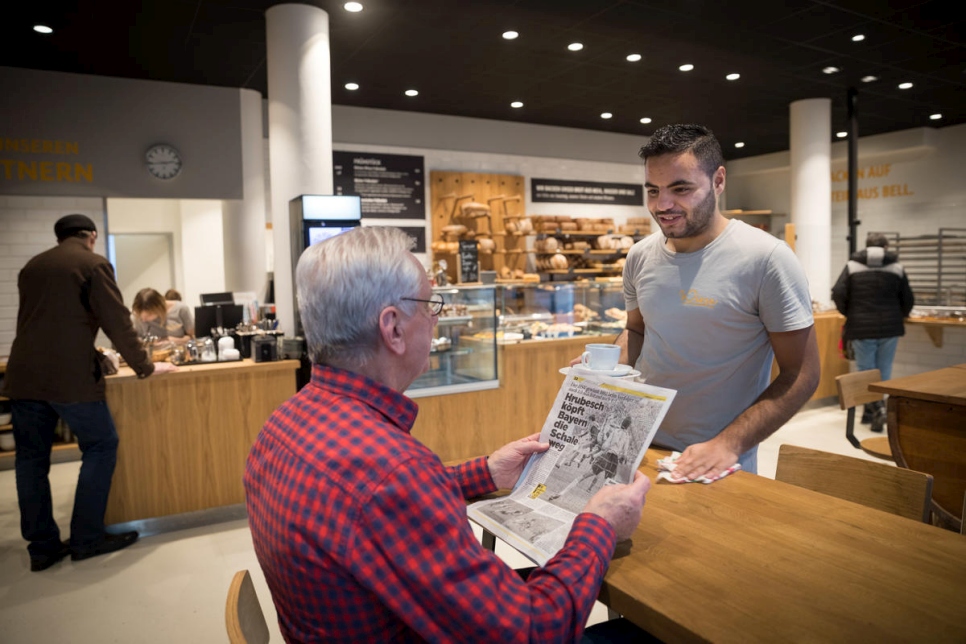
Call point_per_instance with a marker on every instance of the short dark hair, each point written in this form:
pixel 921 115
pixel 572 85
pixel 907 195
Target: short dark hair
pixel 876 239
pixel 172 294
pixel 679 138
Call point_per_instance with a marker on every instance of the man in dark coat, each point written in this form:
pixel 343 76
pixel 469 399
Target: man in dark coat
pixel 874 295
pixel 66 294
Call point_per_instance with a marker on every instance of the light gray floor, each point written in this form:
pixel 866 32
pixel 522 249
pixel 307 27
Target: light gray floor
pixel 172 587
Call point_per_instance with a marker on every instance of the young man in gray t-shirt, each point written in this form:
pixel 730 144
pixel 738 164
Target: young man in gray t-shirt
pixel 710 301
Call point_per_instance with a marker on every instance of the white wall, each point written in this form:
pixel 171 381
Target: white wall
pixel 196 227
pixel 910 182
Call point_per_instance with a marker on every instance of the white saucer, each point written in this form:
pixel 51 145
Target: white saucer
pixel 621 371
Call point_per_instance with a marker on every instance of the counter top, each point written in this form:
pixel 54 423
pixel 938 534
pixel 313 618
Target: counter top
pixel 126 373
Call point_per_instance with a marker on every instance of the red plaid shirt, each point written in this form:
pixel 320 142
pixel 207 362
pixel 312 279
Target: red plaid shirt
pixel 363 537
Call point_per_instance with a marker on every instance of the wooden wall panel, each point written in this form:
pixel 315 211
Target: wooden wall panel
pixel 502 192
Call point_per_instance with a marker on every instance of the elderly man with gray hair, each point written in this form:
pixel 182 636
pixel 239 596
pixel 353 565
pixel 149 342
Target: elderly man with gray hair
pixel 874 295
pixel 360 530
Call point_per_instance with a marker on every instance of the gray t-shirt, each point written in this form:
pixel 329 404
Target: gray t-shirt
pixel 179 323
pixel 707 316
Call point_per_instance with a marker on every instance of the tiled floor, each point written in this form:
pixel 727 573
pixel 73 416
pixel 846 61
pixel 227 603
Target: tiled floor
pixel 171 587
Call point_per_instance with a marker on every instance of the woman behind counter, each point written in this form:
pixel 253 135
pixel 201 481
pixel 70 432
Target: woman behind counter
pixel 164 319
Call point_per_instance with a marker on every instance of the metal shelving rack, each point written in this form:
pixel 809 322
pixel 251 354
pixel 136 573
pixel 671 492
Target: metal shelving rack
pixel 935 264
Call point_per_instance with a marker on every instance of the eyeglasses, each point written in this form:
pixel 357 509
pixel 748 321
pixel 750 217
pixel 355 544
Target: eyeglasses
pixel 435 304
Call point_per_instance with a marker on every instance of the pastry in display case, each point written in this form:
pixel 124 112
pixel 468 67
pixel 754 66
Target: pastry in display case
pixel 560 310
pixel 945 314
pixel 463 353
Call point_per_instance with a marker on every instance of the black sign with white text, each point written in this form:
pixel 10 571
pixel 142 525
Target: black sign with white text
pixel 392 186
pixel 469 258
pixel 608 194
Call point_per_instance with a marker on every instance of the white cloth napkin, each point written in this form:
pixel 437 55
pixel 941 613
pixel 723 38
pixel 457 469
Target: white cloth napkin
pixel 665 467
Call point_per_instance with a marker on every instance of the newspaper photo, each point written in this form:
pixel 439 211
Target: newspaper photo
pixel 599 429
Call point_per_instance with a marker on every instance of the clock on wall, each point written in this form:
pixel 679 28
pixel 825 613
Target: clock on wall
pixel 164 162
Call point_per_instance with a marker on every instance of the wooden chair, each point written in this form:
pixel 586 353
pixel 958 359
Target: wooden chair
pixel 876 485
pixel 853 391
pixel 244 619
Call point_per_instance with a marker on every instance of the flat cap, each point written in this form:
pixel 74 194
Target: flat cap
pixel 70 224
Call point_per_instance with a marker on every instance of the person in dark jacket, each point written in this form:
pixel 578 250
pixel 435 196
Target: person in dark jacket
pixel 874 295
pixel 66 294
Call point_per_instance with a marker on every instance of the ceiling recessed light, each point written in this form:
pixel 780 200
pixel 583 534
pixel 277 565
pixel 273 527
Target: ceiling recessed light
pixel 633 58
pixel 606 115
pixel 575 46
pixel 841 135
pixel 352 86
pixel 43 29
pixel 739 144
pixel 935 117
pixel 733 76
pixel 869 79
pixel 411 92
pixel 510 35
pixel 354 7
pixel 645 120
pixel 905 85
pixel 516 104
pixel 858 38
pixel 686 68
pixel 830 70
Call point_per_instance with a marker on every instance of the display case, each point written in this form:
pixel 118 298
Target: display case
pixel 464 351
pixel 560 310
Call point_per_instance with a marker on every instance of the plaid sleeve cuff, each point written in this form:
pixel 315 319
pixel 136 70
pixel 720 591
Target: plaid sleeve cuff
pixel 473 477
pixel 594 532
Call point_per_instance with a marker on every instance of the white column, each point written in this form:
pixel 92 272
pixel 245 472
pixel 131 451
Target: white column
pixel 299 128
pixel 244 224
pixel 202 254
pixel 811 179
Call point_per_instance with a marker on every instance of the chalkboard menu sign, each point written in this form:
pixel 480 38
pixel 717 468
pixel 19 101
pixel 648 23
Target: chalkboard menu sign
pixel 390 185
pixel 469 261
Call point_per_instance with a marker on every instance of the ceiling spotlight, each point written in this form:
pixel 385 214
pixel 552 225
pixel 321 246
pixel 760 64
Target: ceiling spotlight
pixel 905 85
pixel 43 29
pixel 686 68
pixel 516 104
pixel 841 135
pixel 633 58
pixel 935 117
pixel 739 144
pixel 645 120
pixel 869 79
pixel 510 35
pixel 733 76
pixel 575 46
pixel 411 92
pixel 352 86
pixel 353 7
pixel 830 70
pixel 858 38
pixel 606 115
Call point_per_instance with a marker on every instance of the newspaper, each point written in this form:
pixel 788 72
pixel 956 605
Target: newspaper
pixel 599 429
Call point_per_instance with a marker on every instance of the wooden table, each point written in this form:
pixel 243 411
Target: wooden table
pixel 927 432
pixel 749 559
pixel 184 436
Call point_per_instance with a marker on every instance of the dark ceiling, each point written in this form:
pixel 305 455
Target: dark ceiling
pixel 453 53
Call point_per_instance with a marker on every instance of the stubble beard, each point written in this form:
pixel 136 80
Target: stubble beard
pixel 695 224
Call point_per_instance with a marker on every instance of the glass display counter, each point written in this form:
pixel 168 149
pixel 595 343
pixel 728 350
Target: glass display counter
pixel 560 310
pixel 463 355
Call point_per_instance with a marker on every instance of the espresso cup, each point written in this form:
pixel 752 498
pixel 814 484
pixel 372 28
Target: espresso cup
pixel 600 357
